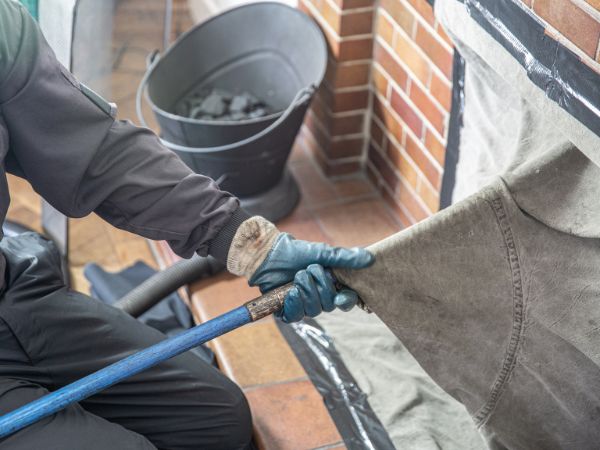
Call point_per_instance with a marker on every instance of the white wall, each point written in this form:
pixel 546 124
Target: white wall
pixel 203 9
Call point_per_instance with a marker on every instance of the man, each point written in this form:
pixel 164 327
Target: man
pixel 64 139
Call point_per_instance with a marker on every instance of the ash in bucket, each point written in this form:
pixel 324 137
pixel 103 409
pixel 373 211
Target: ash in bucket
pixel 219 104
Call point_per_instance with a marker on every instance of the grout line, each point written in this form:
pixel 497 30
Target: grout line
pixel 330 446
pixel 424 23
pixel 407 129
pixel 254 387
pixel 398 29
pixel 399 174
pixel 411 75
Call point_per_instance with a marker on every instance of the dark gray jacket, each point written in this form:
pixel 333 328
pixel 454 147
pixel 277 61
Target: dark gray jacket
pixel 68 145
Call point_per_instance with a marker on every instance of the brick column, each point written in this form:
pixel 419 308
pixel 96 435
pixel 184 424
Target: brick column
pixel 336 126
pixel 411 102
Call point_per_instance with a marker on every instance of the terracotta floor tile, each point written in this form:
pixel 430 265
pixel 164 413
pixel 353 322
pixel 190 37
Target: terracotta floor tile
pixel 257 354
pixel 359 223
pixel 354 187
pixel 291 416
pixel 315 188
pixel 216 295
pixel 164 253
pixel 302 224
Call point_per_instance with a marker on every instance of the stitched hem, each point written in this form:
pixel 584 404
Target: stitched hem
pixel 510 359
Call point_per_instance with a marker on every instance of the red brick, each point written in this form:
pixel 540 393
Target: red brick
pixel 343 101
pixel 430 196
pixel 343 169
pixel 353 124
pixel 435 147
pixel 399 161
pixel 406 113
pixel 354 49
pixel 330 37
pixel 574 23
pixel 424 9
pixel 431 172
pixel 433 48
pixel 377 134
pixel 327 13
pixel 401 15
pixel 350 101
pixel 391 66
pixel 398 212
pixel 321 111
pixel 340 75
pixel 407 199
pixel 387 174
pixel 408 54
pixel 380 81
pixel 384 29
pixel 356 23
pixel 442 33
pixel 527 2
pixel 594 3
pixel 319 134
pixel 345 148
pixel 351 4
pixel 424 103
pixel 441 91
pixel 391 124
pixel 373 175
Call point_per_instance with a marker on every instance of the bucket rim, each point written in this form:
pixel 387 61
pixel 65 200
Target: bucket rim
pixel 226 123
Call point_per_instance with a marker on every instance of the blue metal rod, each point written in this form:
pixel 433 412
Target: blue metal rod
pixel 110 375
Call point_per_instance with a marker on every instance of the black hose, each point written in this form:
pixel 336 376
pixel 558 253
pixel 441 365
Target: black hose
pixel 165 282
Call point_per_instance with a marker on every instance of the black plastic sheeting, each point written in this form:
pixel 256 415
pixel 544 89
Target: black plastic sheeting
pixel 170 316
pixel 551 66
pixel 454 127
pixel 347 403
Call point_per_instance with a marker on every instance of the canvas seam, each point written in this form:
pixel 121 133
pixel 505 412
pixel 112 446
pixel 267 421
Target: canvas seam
pixel 510 358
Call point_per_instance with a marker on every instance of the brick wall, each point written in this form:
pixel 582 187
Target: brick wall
pixel 574 23
pixel 412 69
pixel 337 123
pixel 384 104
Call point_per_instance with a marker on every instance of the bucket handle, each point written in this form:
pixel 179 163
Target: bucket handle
pixel 153 59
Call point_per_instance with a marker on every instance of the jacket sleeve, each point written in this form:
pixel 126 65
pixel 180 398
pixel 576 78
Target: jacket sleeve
pixel 66 142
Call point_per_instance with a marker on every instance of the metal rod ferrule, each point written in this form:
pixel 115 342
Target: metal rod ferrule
pixel 268 303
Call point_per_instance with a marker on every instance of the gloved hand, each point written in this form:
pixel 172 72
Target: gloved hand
pixel 314 289
pixel 269 258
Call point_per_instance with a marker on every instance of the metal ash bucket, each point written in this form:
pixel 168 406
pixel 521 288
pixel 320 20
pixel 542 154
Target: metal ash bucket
pixel 264 51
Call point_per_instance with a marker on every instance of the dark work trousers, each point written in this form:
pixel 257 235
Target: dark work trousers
pixel 51 336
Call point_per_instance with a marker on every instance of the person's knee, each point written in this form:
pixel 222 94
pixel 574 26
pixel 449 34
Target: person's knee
pixel 223 424
pixel 239 433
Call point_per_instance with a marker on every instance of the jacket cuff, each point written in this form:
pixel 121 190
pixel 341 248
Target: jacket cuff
pixel 219 246
pixel 251 245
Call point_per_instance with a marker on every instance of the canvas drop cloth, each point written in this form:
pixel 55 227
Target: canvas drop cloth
pixel 497 297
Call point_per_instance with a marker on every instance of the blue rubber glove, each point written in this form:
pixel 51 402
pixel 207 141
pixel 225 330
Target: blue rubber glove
pixel 303 262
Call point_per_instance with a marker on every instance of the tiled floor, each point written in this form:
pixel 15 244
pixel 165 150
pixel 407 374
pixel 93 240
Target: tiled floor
pixel 289 412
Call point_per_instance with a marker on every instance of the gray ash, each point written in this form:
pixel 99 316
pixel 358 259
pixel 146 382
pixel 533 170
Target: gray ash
pixel 218 104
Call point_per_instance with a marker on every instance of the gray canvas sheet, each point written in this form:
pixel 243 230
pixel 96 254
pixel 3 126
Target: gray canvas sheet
pixel 415 411
pixel 501 310
pixel 496 296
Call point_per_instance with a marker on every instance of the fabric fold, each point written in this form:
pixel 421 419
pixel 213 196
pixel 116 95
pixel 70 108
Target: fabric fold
pixel 501 311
